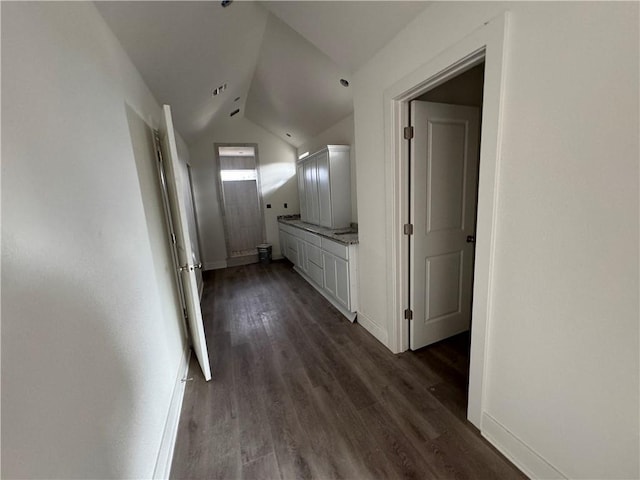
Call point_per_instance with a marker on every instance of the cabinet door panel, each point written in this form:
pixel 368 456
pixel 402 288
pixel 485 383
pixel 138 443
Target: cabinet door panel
pixel 329 273
pixel 342 282
pixel 301 194
pixel 292 249
pixel 311 191
pixel 324 190
pixel 283 243
pixel 302 256
pixel 317 274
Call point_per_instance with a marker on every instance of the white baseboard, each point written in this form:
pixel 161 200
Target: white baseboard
pixel 373 328
pixel 215 265
pixel 518 452
pixel 168 443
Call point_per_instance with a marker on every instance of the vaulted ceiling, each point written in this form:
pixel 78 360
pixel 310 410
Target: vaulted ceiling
pixel 281 62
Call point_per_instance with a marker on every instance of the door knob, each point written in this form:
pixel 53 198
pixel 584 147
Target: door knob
pixel 471 239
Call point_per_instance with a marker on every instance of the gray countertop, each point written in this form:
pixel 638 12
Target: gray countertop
pixel 332 234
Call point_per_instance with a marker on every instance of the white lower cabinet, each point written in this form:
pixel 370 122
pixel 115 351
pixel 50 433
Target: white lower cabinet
pixel 316 273
pixel 329 273
pixel 292 249
pixel 327 265
pixel 283 243
pixel 303 263
pixel 336 279
pixel 342 283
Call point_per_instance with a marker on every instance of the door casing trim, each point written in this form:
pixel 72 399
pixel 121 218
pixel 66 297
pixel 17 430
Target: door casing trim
pixel 216 145
pixel 485 43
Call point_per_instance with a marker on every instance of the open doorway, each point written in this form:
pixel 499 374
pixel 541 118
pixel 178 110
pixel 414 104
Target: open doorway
pixel 486 44
pixel 241 201
pixel 444 155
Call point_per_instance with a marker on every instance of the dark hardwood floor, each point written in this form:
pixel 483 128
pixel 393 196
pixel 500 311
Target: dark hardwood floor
pixel 299 392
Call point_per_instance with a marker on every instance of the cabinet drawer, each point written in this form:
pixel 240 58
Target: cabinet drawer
pixel 314 254
pixel 338 249
pixel 317 274
pixel 313 239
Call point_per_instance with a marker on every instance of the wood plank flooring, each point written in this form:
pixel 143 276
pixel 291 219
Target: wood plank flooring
pixel 299 392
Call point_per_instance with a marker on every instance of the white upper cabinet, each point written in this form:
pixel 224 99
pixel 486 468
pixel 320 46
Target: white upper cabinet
pixel 311 191
pixel 326 187
pixel 303 200
pixel 324 190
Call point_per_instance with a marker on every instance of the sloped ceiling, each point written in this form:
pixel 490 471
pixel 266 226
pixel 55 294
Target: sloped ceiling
pixel 296 88
pixel 284 60
pixel 350 33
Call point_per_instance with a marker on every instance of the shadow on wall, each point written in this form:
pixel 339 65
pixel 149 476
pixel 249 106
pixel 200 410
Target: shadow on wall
pixel 68 408
pixel 274 175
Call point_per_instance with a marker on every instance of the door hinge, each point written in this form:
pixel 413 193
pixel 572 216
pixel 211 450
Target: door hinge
pixel 184 312
pixel 408 133
pixel 173 238
pixel 408 314
pixel 408 229
pixel 189 268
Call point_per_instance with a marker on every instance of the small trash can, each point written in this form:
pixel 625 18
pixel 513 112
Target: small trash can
pixel 264 253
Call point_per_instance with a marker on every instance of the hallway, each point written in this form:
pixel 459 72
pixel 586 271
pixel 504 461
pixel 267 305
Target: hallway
pixel 299 392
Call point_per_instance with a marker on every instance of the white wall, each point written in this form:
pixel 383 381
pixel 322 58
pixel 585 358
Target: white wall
pixel 277 174
pixel 91 341
pixel 339 134
pixel 562 373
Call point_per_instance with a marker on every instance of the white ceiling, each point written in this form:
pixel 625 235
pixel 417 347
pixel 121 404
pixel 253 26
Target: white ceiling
pixel 283 59
pixel 349 32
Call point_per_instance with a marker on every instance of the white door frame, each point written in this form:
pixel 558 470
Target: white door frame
pixel 256 156
pixel 486 43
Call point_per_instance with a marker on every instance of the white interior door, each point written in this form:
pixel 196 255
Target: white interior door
pixel 444 177
pixel 194 233
pixel 186 257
